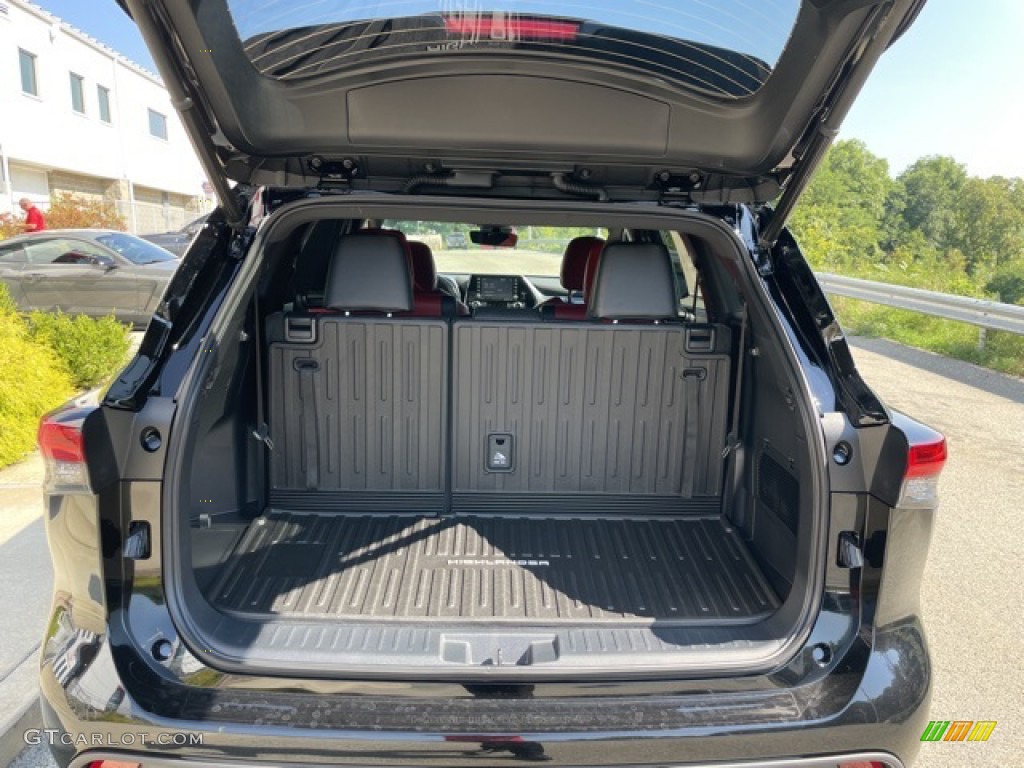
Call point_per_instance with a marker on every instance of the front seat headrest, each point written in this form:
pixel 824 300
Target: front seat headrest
pixel 424 270
pixel 370 271
pixel 574 261
pixel 590 273
pixel 634 282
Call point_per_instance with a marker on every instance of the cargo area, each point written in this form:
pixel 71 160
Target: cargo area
pixel 491 569
pixel 449 488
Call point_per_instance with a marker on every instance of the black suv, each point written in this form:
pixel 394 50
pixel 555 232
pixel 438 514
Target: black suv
pixel 616 497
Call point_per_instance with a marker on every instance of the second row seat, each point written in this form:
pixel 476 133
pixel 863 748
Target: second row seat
pixel 380 408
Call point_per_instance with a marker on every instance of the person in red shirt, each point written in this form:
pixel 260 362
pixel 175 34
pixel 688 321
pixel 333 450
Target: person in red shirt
pixel 34 221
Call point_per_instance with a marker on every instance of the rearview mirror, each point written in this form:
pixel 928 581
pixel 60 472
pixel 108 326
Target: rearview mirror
pixel 495 237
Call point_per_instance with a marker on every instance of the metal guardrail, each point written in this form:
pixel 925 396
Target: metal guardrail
pixel 981 312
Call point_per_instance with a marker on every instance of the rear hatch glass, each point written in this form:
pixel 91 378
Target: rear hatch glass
pixel 725 48
pixel 714 101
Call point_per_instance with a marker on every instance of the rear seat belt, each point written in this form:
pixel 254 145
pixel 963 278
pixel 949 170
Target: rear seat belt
pixel 732 440
pixel 693 376
pixel 262 431
pixel 691 381
pixel 307 392
pixel 692 400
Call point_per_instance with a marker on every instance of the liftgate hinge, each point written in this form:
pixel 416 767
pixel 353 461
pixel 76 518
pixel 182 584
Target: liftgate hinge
pixel 334 175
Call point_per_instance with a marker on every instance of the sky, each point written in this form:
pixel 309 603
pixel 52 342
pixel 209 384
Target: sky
pixel 105 21
pixel 953 85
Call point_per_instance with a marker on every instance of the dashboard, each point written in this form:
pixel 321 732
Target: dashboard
pixel 506 291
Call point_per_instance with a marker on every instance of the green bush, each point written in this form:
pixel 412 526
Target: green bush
pixel 1008 282
pixel 90 349
pixel 32 381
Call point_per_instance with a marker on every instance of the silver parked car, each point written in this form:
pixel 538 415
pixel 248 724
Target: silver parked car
pixel 86 271
pixel 177 242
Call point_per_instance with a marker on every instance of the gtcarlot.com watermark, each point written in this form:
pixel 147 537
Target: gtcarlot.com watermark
pixel 54 737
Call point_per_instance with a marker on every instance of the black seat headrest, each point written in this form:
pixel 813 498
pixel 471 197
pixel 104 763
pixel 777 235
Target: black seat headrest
pixel 369 272
pixel 634 282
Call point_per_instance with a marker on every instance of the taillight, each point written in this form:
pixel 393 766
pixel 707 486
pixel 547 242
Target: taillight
pixel 925 460
pixel 113 764
pixel 60 442
pixel 863 764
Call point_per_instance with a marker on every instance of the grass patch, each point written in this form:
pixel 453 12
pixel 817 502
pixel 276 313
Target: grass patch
pixel 1002 352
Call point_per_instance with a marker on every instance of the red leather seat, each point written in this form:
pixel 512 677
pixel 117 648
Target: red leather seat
pixel 574 263
pixel 428 293
pixel 424 271
pixel 582 272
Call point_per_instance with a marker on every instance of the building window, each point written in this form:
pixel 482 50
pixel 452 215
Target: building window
pixel 157 125
pixel 77 93
pixel 29 84
pixel 103 100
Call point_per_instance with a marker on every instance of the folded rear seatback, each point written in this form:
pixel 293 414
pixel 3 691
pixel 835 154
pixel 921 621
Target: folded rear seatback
pixel 625 411
pixel 362 409
pixel 594 416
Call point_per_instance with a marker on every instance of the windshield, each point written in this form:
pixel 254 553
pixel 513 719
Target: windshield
pixel 134 249
pixel 538 252
pixel 727 47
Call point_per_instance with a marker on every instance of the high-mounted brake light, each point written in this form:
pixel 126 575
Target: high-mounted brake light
pixel 863 764
pixel 925 461
pixel 113 764
pixel 60 442
pixel 501 27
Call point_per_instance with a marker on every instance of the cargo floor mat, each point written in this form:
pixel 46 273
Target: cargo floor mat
pixel 493 569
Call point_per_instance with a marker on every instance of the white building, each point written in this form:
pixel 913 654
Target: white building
pixel 76 116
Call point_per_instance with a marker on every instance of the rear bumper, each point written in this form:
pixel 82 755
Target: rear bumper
pixel 860 684
pixel 815 762
pixel 870 704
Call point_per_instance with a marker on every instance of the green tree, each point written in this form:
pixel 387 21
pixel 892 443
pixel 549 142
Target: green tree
pixel 989 225
pixel 932 188
pixel 894 226
pixel 840 219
